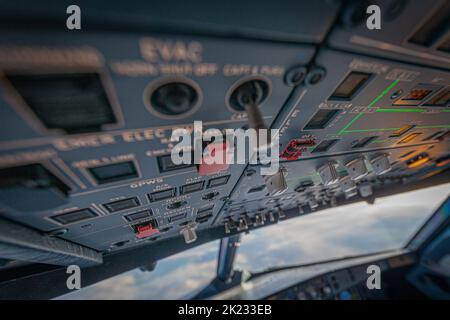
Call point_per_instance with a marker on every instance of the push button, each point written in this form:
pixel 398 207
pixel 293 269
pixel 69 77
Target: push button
pixel 214 151
pixel 145 230
pixel 357 168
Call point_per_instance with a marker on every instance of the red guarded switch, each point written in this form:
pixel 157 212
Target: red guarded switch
pixel 215 151
pixel 296 147
pixel 145 230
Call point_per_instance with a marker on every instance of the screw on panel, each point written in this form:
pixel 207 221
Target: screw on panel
pixel 295 75
pixel 315 75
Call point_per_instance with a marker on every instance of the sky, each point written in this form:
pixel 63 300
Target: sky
pixel 348 230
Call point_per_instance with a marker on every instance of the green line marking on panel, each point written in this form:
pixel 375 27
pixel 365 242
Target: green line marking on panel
pixel 400 110
pixel 344 130
pixel 393 129
pixel 381 95
pixel 433 127
pixel 371 130
pixel 381 141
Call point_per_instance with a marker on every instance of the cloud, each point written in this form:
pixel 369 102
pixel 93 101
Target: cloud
pixel 354 229
pixel 173 278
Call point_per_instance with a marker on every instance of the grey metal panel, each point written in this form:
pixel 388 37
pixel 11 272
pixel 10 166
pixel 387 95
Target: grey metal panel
pixel 371 111
pixel 21 243
pixel 237 37
pixel 141 135
pixel 245 204
pixel 391 41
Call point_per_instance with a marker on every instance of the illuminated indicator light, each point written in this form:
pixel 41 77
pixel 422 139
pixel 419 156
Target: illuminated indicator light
pixel 145 230
pixel 296 147
pixel 418 163
pixel 401 131
pixel 409 138
pixel 219 150
pixel 418 160
pixel 417 94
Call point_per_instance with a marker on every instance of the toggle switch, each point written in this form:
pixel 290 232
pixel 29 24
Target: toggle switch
pixel 381 164
pixel 271 217
pixel 281 214
pixel 276 184
pixel 312 202
pixel 248 97
pixel 347 184
pixel 259 221
pixel 242 224
pixel 219 150
pixel 351 193
pixel 328 173
pixel 189 233
pixel 145 230
pixel 365 189
pixel 357 168
pixel 227 227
